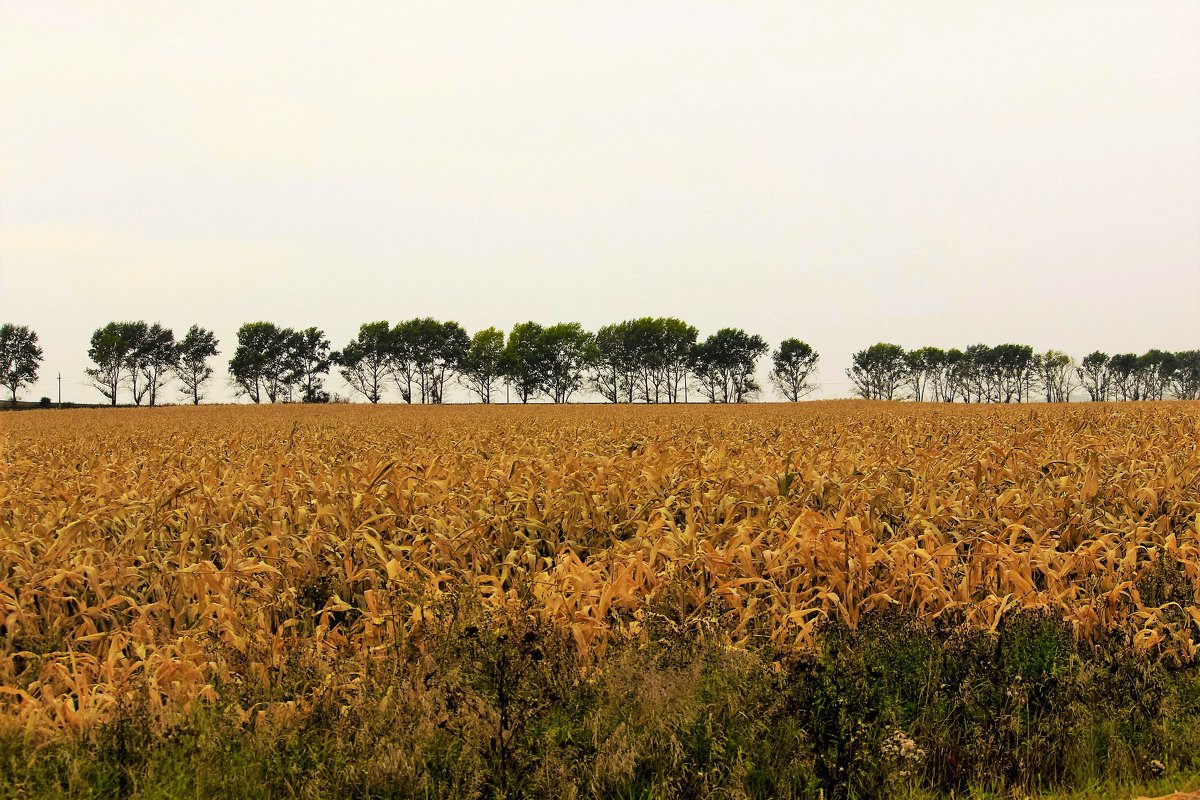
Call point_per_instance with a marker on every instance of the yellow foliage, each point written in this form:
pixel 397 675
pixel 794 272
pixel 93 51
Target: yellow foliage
pixel 181 546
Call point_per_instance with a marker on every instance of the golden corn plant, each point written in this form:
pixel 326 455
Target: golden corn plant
pixel 168 550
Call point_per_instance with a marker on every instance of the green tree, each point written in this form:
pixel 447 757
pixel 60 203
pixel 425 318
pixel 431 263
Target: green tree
pixel 135 335
pixel 191 361
pixel 569 352
pixel 483 363
pixel 926 373
pixel 792 366
pixel 1185 379
pixel 426 352
pixel 1056 374
pixel 978 373
pixel 156 359
pixel 878 372
pixel 264 363
pixel 366 361
pixel 678 354
pixel 1156 367
pixel 451 345
pixel 614 366
pixel 658 356
pixel 311 361
pixel 647 343
pixel 955 383
pixel 1094 375
pixel 1127 376
pixel 404 345
pixel 724 365
pixel 20 357
pixel 1014 370
pixel 527 360
pixel 109 351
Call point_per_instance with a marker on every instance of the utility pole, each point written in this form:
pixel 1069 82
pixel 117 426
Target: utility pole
pixel 60 391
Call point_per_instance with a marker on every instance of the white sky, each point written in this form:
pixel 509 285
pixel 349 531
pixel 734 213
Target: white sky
pixel 923 173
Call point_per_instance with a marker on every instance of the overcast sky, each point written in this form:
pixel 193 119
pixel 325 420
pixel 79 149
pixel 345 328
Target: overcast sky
pixel 922 173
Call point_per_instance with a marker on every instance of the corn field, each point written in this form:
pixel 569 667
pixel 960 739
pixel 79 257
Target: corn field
pixel 177 550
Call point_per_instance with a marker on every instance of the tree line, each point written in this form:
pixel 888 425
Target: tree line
pixel 649 360
pixel 1014 373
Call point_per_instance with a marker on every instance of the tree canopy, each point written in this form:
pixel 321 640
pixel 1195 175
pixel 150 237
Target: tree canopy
pixel 792 366
pixel 191 361
pixel 724 365
pixel 20 357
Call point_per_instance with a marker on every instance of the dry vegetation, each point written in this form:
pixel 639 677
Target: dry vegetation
pixel 174 554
